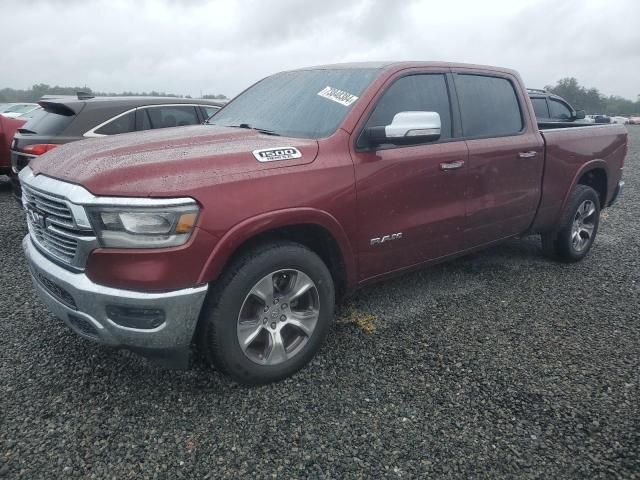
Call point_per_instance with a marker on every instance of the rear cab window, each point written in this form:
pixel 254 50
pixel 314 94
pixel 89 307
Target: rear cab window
pixel 559 110
pixel 489 106
pixel 540 107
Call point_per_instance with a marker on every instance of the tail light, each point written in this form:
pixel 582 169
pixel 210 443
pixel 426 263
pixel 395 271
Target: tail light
pixel 38 148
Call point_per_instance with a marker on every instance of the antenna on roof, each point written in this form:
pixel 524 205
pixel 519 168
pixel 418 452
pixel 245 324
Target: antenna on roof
pixel 84 95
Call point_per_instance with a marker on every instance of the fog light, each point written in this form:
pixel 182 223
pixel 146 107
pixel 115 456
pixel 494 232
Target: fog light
pixel 136 317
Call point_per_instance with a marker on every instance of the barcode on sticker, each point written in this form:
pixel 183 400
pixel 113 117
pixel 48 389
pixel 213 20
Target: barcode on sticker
pixel 337 95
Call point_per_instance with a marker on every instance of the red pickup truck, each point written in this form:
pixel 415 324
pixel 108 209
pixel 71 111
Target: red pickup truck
pixel 236 237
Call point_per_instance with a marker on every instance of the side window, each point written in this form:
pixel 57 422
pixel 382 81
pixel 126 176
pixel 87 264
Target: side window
pixel 208 111
pixel 489 106
pixel 173 116
pixel 142 119
pixel 122 124
pixel 559 110
pixel 425 92
pixel 540 107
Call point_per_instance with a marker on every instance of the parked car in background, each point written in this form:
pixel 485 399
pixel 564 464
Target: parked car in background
pixel 8 127
pixel 238 235
pixel 634 120
pixel 30 113
pixel 590 119
pixel 13 110
pixel 549 107
pixel 602 119
pixel 620 120
pixel 67 119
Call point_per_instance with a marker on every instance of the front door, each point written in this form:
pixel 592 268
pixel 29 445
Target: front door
pixel 411 199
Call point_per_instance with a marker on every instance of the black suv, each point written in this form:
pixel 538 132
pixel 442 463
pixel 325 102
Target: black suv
pixel 552 108
pixel 67 119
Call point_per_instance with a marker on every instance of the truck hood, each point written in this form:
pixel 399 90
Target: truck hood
pixel 167 162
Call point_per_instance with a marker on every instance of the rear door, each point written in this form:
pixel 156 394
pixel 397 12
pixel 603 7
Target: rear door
pixel 506 156
pixel 410 208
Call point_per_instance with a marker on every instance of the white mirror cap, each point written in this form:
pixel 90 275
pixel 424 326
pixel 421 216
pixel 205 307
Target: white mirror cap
pixel 414 124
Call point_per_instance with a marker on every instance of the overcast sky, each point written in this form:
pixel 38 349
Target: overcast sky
pixel 193 46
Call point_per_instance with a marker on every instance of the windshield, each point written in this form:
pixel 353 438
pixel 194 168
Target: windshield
pixel 303 103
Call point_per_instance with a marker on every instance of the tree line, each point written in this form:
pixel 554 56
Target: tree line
pixel 36 92
pixel 591 100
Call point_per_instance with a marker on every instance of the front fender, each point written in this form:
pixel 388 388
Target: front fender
pixel 251 227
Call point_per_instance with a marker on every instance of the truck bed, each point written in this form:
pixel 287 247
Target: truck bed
pixel 571 150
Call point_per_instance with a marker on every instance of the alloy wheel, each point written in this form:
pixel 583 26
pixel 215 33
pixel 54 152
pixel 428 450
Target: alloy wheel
pixel 278 317
pixel 583 225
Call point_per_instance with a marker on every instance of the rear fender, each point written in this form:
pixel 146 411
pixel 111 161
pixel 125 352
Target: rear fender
pixel 587 167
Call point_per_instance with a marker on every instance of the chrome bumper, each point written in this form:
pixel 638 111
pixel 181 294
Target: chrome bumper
pixel 82 305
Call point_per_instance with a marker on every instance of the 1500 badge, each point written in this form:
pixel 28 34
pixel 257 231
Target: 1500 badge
pixel 275 154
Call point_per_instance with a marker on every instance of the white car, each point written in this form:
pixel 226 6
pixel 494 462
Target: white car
pixel 13 110
pixel 620 120
pixel 589 119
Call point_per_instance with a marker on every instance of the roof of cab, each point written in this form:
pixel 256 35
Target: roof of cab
pixel 396 66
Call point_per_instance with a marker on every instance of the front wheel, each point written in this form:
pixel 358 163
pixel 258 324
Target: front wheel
pixel 268 314
pixel 578 227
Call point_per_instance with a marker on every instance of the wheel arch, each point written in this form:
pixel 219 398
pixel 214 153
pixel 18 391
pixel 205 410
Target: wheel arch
pixel 592 169
pixel 316 229
pixel 596 178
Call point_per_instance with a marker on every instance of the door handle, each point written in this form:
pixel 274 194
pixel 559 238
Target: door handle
pixel 451 165
pixel 531 154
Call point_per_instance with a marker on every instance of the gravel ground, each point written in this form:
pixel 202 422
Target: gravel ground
pixel 498 365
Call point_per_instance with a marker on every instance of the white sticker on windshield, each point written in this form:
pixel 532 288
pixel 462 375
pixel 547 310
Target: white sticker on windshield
pixel 339 96
pixel 278 153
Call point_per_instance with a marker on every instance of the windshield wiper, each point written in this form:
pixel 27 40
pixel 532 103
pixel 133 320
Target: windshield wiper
pixel 257 129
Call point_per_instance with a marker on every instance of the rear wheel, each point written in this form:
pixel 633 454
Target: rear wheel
pixel 578 227
pixel 268 314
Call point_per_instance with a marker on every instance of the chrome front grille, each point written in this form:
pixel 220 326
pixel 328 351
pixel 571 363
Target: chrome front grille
pixel 54 229
pixel 61 243
pixel 55 209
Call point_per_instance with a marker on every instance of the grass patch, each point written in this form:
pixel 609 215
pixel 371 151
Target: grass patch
pixel 364 321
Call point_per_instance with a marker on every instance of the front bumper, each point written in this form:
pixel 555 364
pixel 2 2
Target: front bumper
pixel 82 305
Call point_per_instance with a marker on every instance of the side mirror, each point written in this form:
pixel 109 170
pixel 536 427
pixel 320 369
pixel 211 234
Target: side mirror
pixel 407 128
pixel 579 115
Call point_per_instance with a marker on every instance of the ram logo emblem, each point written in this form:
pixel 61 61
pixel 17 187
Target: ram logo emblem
pixel 385 239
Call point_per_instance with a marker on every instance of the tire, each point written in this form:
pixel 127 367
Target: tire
pixel 239 308
pixel 576 232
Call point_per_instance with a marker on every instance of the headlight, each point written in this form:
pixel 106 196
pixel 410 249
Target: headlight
pixel 143 227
